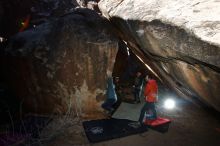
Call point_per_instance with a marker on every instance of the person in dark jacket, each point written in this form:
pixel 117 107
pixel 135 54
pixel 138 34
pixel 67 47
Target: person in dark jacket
pixel 137 87
pixel 118 91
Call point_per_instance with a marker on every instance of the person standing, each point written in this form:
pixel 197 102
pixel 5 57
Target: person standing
pixel 137 87
pixel 118 90
pixel 150 94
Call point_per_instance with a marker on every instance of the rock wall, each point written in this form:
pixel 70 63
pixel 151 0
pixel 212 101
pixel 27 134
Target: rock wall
pixel 61 65
pixel 179 40
pixel 14 12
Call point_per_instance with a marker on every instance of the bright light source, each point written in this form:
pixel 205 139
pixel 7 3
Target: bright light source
pixel 128 51
pixel 2 39
pixel 169 104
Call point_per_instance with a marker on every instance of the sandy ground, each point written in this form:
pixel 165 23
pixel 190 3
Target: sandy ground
pixel 191 126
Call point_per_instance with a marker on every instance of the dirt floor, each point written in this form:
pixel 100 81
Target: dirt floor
pixel 191 125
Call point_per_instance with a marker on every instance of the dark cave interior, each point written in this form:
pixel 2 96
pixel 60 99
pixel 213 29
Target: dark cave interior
pixel 18 16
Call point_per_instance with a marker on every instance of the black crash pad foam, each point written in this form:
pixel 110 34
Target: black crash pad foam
pixel 106 129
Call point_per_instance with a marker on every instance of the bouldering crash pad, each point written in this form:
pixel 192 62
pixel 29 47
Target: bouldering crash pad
pixel 106 129
pixel 159 124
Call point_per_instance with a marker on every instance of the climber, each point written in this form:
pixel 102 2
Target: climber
pixel 150 95
pixel 111 96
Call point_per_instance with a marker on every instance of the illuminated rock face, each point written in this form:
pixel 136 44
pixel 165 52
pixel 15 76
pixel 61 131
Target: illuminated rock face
pixel 63 64
pixel 180 40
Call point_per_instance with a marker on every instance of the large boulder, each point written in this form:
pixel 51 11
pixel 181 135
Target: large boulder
pixel 62 65
pixel 36 12
pixel 179 40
